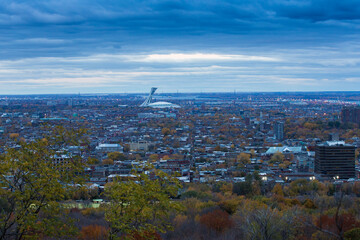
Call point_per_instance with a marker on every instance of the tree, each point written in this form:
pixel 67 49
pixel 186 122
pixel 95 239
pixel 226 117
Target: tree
pixel 141 206
pixel 253 153
pixel 265 223
pixel 243 158
pixel 243 188
pixel 92 161
pixel 335 226
pixel 277 157
pixel 352 234
pixel 32 184
pixel 217 220
pixel 154 157
pixel 277 190
pixel 94 232
pixel 13 135
pixel 165 131
pixel 217 148
pixel 107 161
pixel 116 156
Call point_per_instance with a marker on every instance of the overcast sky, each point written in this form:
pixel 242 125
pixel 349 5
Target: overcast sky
pixel 113 46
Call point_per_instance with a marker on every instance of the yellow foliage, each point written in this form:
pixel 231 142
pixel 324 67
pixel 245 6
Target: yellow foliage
pixel 180 219
pixel 108 161
pixel 309 204
pixel 231 205
pixel 278 190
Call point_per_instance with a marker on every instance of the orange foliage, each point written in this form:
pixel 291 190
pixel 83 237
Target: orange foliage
pixel 345 222
pixel 145 235
pixel 217 220
pixel 13 135
pixel 94 232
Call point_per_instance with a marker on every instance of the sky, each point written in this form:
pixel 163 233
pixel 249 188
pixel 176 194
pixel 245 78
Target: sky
pixel 128 46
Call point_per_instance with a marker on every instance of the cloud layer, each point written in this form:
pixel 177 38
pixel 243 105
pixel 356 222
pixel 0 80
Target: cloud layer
pixel 128 46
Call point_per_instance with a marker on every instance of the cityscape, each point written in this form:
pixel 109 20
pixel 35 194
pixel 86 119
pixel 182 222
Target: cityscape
pixel 249 143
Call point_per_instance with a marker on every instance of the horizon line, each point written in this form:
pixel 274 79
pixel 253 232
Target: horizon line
pixel 178 92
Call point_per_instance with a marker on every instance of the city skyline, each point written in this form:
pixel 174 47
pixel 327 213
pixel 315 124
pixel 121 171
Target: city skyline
pixel 51 47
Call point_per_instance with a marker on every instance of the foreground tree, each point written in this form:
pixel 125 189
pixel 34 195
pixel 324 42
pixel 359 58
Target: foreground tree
pixel 32 184
pixel 266 223
pixel 141 207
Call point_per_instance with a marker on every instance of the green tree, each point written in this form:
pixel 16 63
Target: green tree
pixel 352 234
pixel 32 184
pixel 243 188
pixel 92 161
pixel 142 206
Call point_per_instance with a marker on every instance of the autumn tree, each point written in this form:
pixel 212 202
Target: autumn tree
pixel 277 157
pixel 243 159
pixel 266 224
pixel 154 157
pixel 253 153
pixel 32 186
pixel 107 161
pixel 277 190
pixel 141 206
pixel 94 232
pixel 92 161
pixel 116 156
pixel 13 135
pixel 217 220
pixel 165 131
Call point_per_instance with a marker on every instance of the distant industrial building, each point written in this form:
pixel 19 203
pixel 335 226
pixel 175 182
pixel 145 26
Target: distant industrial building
pixel 279 131
pixel 335 159
pixel 351 114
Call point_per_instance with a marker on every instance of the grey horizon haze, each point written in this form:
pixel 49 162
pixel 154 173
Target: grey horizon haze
pixel 93 46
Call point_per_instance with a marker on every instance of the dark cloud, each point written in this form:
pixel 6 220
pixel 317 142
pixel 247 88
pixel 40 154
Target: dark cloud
pixel 55 42
pixel 176 13
pixel 318 10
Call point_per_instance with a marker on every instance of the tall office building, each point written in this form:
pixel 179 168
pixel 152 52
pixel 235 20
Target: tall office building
pixel 279 131
pixel 334 136
pixel 335 159
pixel 351 114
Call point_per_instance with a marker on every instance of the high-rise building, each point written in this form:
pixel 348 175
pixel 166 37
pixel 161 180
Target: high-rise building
pixel 333 136
pixel 351 114
pixel 279 131
pixel 335 159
